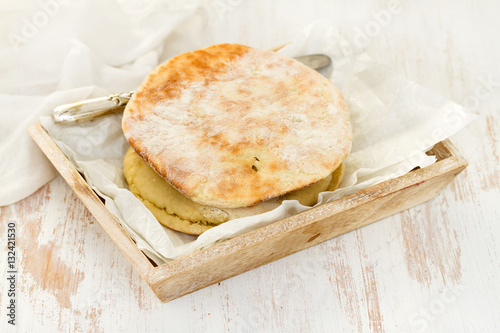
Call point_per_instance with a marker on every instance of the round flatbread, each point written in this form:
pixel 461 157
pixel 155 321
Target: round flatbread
pixel 175 211
pixel 230 126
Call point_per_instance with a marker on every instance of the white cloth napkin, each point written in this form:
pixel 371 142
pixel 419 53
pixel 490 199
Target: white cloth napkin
pixel 55 52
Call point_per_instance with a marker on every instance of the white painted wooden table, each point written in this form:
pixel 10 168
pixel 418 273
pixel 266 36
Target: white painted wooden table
pixel 435 267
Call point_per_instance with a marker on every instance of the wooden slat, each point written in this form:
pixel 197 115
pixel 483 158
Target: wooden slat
pixel 108 221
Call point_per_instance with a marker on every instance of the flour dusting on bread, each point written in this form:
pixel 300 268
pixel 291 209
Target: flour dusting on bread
pixel 230 126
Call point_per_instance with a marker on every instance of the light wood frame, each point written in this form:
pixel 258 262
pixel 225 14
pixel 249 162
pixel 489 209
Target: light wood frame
pixel 237 255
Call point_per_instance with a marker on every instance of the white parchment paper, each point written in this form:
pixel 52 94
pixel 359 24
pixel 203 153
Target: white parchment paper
pixel 395 121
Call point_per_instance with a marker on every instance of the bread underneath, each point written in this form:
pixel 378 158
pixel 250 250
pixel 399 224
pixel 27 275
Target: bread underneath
pixel 175 211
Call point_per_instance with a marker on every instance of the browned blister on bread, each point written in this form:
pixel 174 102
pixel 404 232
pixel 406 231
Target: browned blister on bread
pixel 230 126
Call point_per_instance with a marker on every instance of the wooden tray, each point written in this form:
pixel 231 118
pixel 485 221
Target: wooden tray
pixel 279 239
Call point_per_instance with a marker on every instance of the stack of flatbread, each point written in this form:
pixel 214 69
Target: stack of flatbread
pixel 230 131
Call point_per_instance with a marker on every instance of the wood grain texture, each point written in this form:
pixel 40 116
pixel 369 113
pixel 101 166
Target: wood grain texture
pixel 431 268
pixel 90 199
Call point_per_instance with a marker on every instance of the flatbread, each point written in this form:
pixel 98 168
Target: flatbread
pixel 175 211
pixel 230 126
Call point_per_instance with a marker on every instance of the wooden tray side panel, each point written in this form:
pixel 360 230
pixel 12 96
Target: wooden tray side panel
pixel 82 189
pixel 264 245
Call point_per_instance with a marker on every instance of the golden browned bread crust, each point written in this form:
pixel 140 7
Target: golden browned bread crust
pixel 230 126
